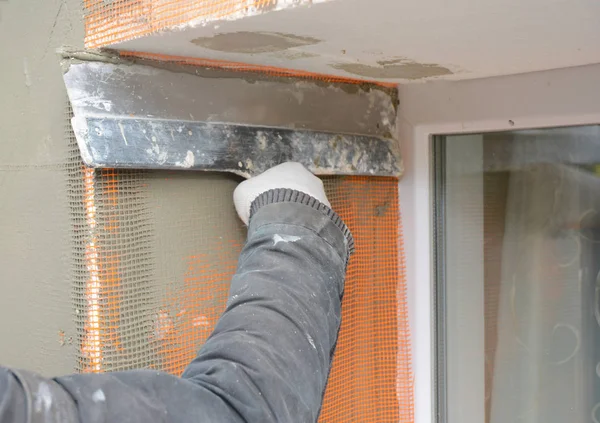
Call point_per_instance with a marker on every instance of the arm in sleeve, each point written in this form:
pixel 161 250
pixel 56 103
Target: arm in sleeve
pixel 269 356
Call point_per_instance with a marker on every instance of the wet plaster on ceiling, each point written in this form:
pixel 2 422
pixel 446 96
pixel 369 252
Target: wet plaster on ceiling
pixel 394 69
pixel 399 41
pixel 253 42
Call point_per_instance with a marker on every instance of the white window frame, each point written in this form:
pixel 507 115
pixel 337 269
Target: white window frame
pixel 562 97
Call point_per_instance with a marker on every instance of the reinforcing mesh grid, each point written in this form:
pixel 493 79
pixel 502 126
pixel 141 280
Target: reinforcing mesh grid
pixel 130 316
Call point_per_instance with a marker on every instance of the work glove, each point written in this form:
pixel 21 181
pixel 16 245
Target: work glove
pixel 290 175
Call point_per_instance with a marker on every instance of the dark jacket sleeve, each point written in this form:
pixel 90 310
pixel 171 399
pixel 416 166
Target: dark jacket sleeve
pixel 266 361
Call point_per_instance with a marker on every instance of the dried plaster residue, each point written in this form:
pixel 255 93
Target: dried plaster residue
pixel 253 42
pixel 246 42
pixel 397 68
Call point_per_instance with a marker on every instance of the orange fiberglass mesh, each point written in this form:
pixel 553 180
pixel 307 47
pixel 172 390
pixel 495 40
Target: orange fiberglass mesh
pixel 112 21
pixel 128 322
pixel 371 379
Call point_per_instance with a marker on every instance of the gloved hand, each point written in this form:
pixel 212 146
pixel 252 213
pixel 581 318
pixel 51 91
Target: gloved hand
pixel 289 175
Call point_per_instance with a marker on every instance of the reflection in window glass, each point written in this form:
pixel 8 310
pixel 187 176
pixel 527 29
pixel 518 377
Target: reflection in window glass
pixel 518 284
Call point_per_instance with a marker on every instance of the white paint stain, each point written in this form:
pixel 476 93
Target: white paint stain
pixel 188 161
pixel 200 320
pixel 311 341
pixel 284 238
pixel 163 325
pixel 43 398
pixel 123 133
pixel 385 120
pixel 262 140
pixel 162 157
pixel 98 396
pixel 82 99
pixel 155 149
pixel 158 156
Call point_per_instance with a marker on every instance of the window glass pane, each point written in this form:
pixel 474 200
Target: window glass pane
pixel 518 256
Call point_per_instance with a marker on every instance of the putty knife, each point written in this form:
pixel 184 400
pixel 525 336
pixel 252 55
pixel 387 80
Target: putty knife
pixel 163 116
